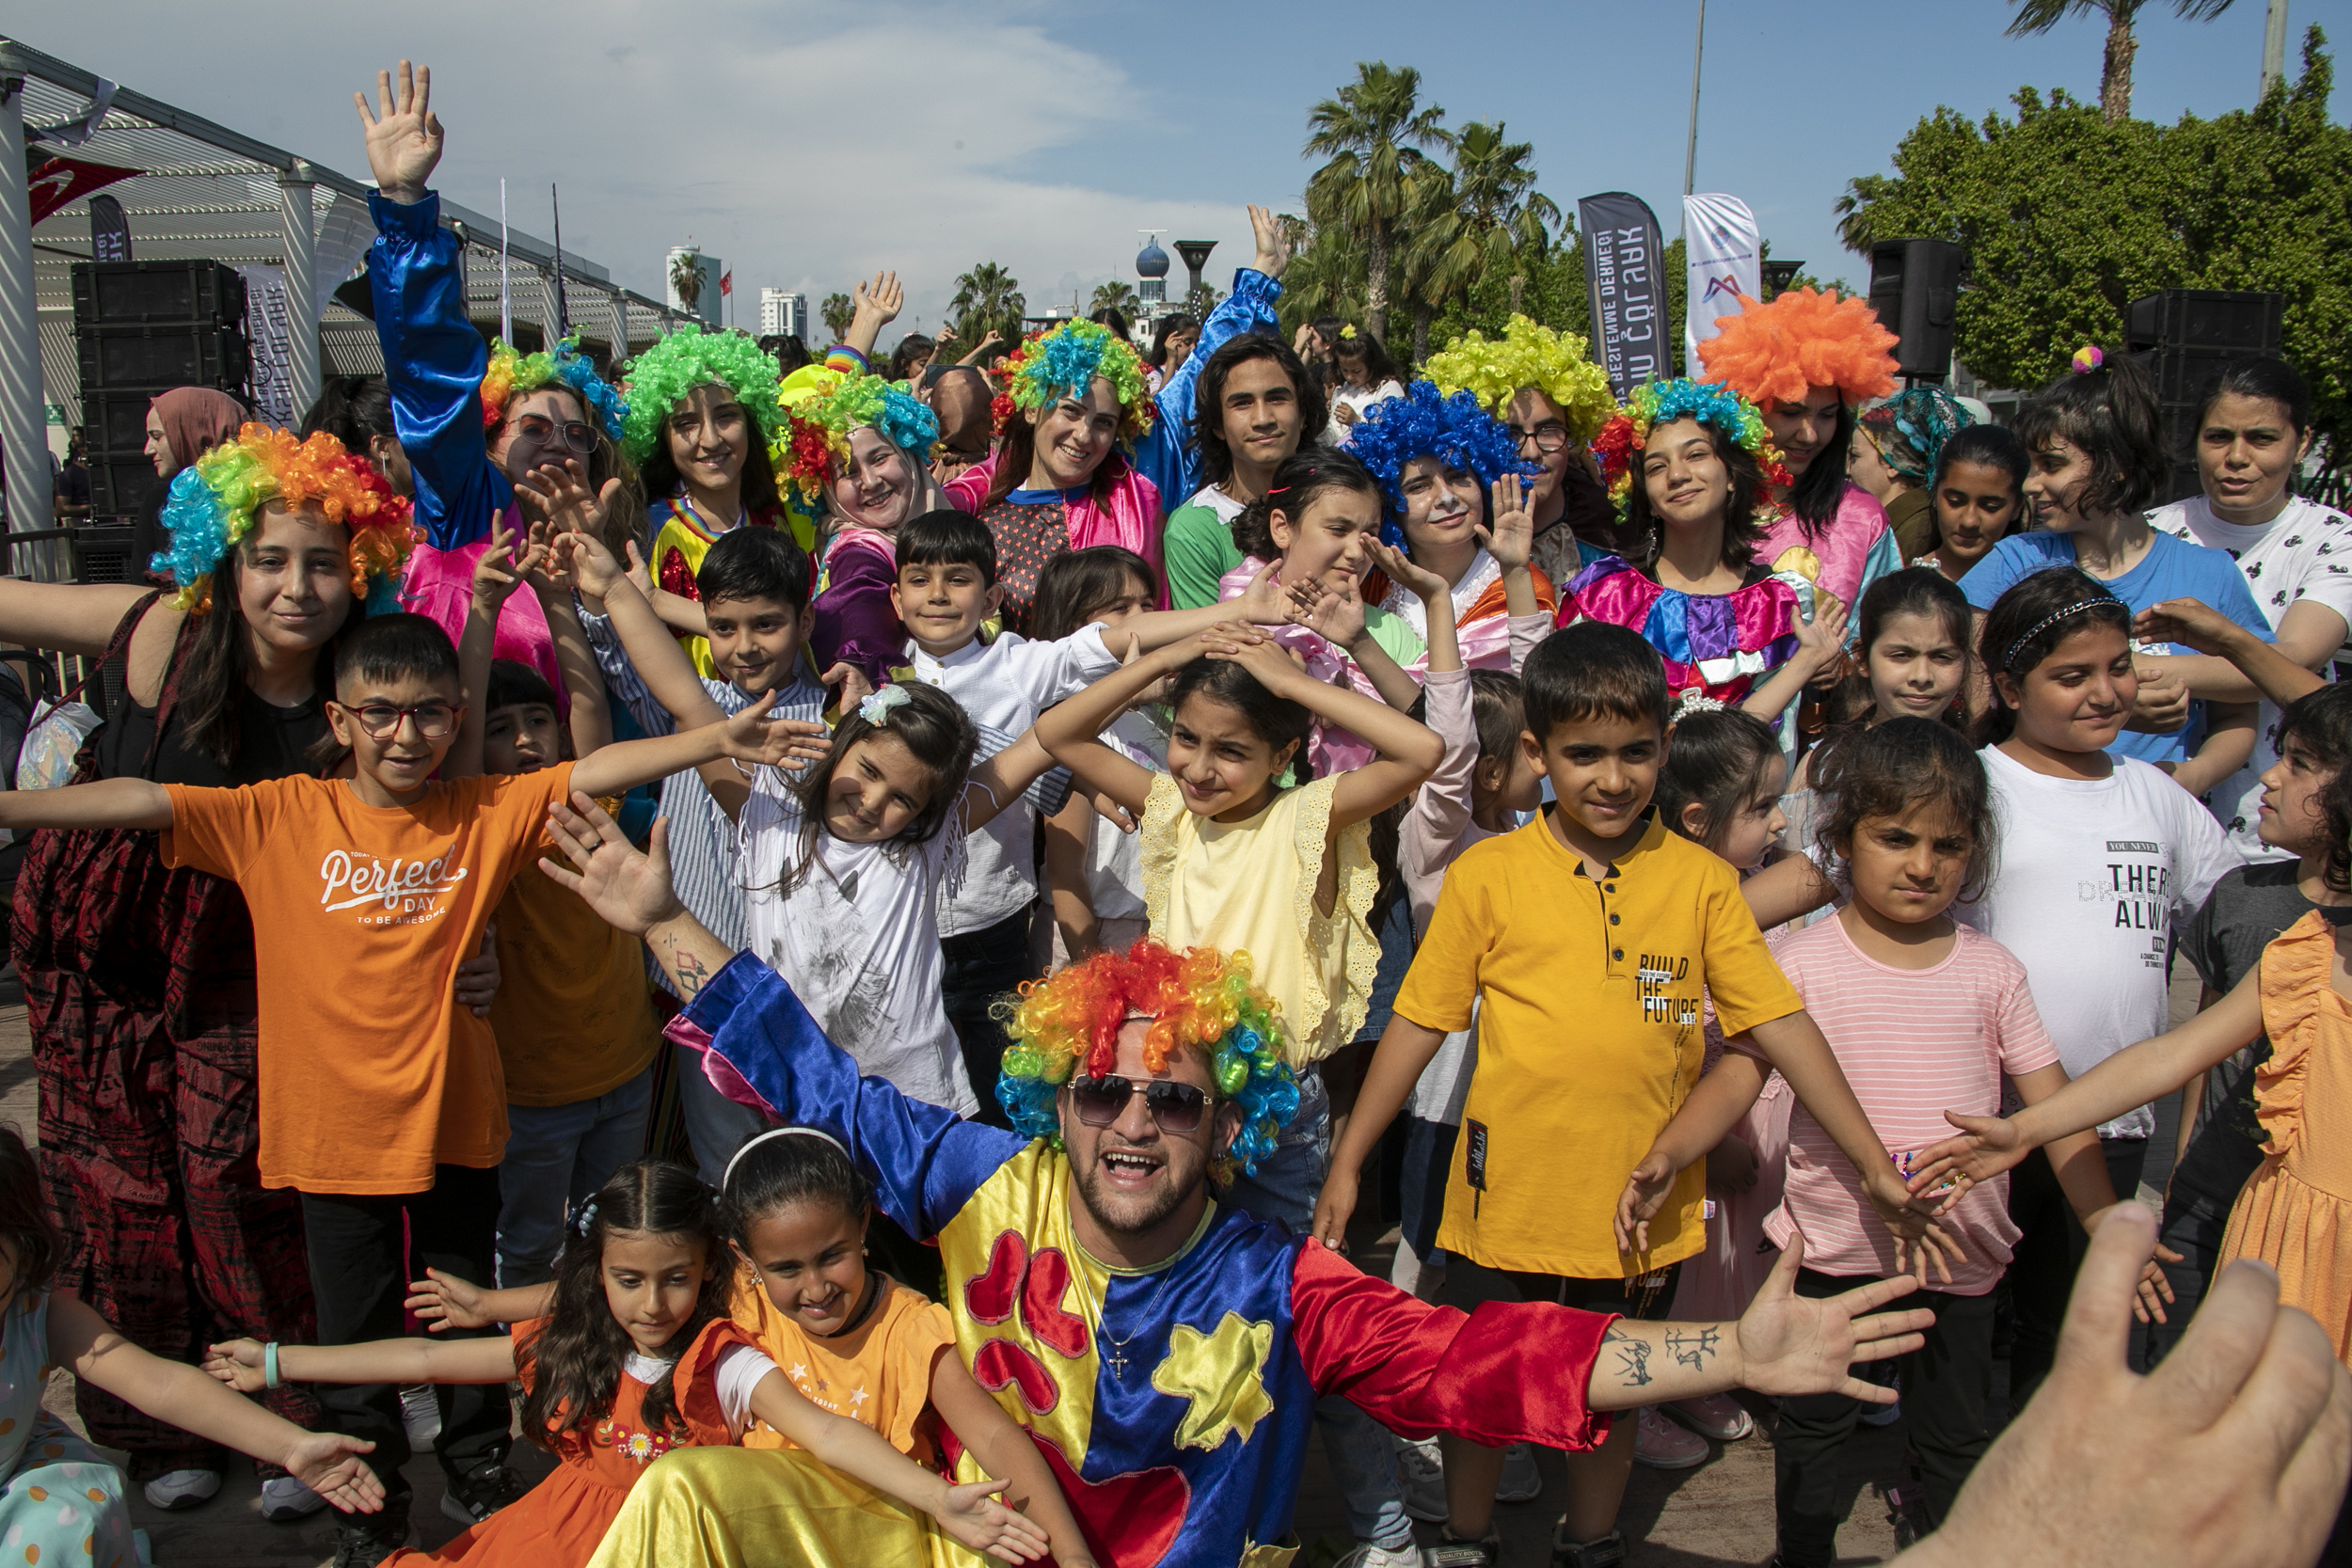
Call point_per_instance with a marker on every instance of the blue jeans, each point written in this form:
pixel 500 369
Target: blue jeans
pixel 557 1157
pixel 1363 1457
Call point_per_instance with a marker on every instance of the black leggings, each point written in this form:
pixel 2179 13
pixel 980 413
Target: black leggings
pixel 2042 1268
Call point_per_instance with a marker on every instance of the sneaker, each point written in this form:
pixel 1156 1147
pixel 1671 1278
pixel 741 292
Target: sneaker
pixel 1367 1555
pixel 1716 1416
pixel 484 1493
pixel 365 1539
pixel 1521 1482
pixel 1452 1551
pixel 175 1490
pixel 421 1414
pixel 1424 1475
pixel 1607 1552
pixel 1663 1446
pixel 284 1500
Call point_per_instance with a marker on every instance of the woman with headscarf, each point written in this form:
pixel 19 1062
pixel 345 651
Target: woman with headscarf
pixel 1897 444
pixel 180 423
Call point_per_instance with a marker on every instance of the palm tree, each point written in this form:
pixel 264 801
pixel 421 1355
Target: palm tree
pixel 2115 73
pixel 1371 132
pixel 686 278
pixel 1115 295
pixel 988 299
pixel 1488 220
pixel 840 310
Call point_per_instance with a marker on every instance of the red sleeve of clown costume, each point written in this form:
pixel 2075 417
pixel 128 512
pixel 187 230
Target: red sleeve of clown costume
pixel 1506 1373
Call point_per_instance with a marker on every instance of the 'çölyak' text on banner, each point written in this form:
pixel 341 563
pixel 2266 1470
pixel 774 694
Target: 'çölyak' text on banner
pixel 1623 259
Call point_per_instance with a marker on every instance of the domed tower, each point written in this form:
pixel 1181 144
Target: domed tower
pixel 1152 266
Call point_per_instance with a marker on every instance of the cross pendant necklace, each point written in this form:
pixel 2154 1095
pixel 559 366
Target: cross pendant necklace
pixel 1116 1358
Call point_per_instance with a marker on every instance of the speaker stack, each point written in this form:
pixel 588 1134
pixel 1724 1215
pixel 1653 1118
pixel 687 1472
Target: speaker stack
pixel 140 328
pixel 2187 335
pixel 1915 291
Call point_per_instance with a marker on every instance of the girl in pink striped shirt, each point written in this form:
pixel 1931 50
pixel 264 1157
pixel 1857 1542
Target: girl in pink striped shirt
pixel 1921 1013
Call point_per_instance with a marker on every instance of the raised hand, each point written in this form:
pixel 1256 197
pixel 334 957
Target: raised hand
pixel 560 493
pixel 753 736
pixel 240 1363
pixel 877 303
pixel 404 137
pixel 640 575
pixel 1273 245
pixel 1420 582
pixel 854 686
pixel 496 571
pixel 973 1515
pixel 1264 657
pixel 585 558
pixel 1819 640
pixel 1645 1193
pixel 1511 540
pixel 2191 623
pixel 1265 602
pixel 329 1464
pixel 628 889
pixel 1335 614
pixel 443 1302
pixel 1791 1344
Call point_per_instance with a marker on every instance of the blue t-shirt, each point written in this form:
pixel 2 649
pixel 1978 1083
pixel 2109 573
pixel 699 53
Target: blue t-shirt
pixel 2172 569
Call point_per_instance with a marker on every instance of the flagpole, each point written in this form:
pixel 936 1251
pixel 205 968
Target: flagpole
pixel 506 315
pixel 1690 148
pixel 562 319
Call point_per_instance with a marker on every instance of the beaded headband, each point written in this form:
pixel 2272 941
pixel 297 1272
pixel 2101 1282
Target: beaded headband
pixel 2009 661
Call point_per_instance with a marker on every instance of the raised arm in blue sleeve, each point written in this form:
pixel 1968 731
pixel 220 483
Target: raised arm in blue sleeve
pixel 1167 456
pixel 924 1161
pixel 433 359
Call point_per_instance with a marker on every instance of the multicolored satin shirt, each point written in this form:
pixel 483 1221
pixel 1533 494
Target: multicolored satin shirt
pixel 1173 1405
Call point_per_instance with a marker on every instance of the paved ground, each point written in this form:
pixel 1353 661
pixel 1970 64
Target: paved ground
pixel 1719 1514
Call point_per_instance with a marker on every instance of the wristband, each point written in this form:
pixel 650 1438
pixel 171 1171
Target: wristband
pixel 269 1364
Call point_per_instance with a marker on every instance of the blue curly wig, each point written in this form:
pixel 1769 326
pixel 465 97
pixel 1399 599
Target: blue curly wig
pixel 1425 422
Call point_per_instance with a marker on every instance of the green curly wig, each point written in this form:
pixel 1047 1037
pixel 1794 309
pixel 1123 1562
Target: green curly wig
pixel 661 378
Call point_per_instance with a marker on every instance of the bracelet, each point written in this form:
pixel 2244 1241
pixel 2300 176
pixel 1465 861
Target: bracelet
pixel 269 1364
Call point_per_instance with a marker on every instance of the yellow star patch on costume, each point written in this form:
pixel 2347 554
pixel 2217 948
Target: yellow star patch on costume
pixel 1222 1374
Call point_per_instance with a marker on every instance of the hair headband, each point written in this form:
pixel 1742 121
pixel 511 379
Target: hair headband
pixel 1695 701
pixel 2009 662
pixel 728 1175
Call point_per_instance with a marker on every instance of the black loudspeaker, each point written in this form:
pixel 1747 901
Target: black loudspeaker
pixel 153 358
pixel 2186 336
pixel 108 293
pixel 120 486
pixel 1915 288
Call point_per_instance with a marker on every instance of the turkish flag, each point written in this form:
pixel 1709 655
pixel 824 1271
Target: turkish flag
pixel 58 181
pixel 727 282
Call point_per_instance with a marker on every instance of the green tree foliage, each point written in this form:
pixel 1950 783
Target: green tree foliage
pixel 839 312
pixel 1113 296
pixel 2067 217
pixel 1486 218
pixel 988 299
pixel 2115 67
pixel 1373 133
pixel 686 278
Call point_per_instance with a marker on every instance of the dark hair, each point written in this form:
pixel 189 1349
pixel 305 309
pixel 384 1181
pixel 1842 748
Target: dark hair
pixel 660 476
pixel 1742 533
pixel 1168 325
pixel 1277 720
pixel 26 1227
pixel 1816 491
pixel 1988 445
pixel 1078 585
pixel 2028 622
pixel 354 409
pixel 215 657
pixel 935 731
pixel 1913 590
pixel 395 647
pixel 754 563
pixel 2112 414
pixel 1498 711
pixel 1593 670
pixel 798 1167
pixel 1716 760
pixel 1887 770
pixel 2260 376
pixel 1378 367
pixel 911 347
pixel 578 1354
pixel 1298 480
pixel 947 537
pixel 514 684
pixel 2322 720
pixel 789 350
pixel 1208 399
pixel 1114 318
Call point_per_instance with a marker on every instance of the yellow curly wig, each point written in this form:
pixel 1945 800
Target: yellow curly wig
pixel 1804 338
pixel 1554 363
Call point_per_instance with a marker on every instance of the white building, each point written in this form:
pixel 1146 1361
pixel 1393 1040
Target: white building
pixel 707 305
pixel 783 314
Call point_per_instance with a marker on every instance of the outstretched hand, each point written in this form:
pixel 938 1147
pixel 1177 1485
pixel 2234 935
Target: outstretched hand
pixel 629 889
pixel 560 494
pixel 1987 1146
pixel 1334 614
pixel 973 1515
pixel 443 1301
pixel 1512 539
pixel 1418 581
pixel 1273 244
pixel 750 734
pixel 1791 1344
pixel 239 1363
pixel 498 569
pixel 2191 623
pixel 328 1462
pixel 404 136
pixel 877 303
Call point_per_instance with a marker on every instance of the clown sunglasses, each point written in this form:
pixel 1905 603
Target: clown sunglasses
pixel 1100 1101
pixel 542 432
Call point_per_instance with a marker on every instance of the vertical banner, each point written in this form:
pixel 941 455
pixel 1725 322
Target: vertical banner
pixel 1725 251
pixel 1623 254
pixel 269 334
pixel 109 230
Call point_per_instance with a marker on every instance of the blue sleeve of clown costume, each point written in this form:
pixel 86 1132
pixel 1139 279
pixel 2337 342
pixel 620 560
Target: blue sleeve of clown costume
pixel 1167 456
pixel 924 1161
pixel 433 359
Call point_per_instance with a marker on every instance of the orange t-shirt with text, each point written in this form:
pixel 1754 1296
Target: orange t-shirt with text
pixel 371 1074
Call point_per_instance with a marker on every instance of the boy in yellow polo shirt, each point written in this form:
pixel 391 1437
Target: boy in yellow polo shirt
pixel 1586 941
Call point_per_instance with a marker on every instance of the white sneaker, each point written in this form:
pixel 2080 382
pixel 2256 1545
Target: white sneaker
pixel 1369 1556
pixel 1662 1445
pixel 286 1498
pixel 421 1414
pixel 1521 1484
pixel 1424 1474
pixel 1716 1416
pixel 178 1489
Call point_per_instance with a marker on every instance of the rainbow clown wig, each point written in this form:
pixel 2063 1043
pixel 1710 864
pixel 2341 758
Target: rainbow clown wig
pixel 1064 361
pixel 1426 423
pixel 1804 338
pixel 510 373
pixel 662 377
pixel 1554 363
pixel 1067 1025
pixel 215 501
pixel 823 406
pixel 1657 403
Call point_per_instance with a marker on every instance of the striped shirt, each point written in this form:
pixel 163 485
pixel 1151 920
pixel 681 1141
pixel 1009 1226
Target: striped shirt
pixel 702 835
pixel 1914 1043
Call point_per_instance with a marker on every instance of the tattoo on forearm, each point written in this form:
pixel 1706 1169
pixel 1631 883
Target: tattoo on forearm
pixel 1632 1356
pixel 691 974
pixel 1694 1350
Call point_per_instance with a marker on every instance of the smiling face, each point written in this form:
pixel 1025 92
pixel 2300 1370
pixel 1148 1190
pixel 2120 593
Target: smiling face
pixel 2294 812
pixel 652 1284
pixel 2078 699
pixel 1074 437
pixel 1915 668
pixel 1442 505
pixel 709 434
pixel 1131 1176
pixel 1603 769
pixel 384 724
pixel 1908 868
pixel 810 1258
pixel 942 604
pixel 1259 413
pixel 1804 430
pixel 876 487
pixel 521 738
pixel 294 578
pixel 2054 484
pixel 1975 505
pixel 879 787
pixel 2247 450
pixel 1223 767
pixel 1330 541
pixel 1756 822
pixel 754 642
pixel 1685 481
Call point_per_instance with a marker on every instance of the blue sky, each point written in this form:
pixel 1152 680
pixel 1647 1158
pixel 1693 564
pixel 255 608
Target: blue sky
pixel 808 141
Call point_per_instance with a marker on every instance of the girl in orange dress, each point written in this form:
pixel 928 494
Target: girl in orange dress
pixel 636 1357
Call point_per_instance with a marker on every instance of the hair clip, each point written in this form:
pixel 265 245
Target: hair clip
pixel 876 708
pixel 1695 701
pixel 586 1217
pixel 2088 357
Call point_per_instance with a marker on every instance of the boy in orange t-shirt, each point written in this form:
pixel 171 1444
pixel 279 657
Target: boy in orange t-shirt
pixel 382 1101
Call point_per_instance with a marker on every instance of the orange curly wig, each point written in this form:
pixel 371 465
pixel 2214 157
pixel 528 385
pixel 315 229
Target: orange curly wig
pixel 1804 338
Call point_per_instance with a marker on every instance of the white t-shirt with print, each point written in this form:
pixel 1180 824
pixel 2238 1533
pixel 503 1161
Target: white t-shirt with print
pixel 2305 552
pixel 2088 877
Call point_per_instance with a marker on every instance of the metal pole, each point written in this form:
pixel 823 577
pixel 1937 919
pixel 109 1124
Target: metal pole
pixel 1690 149
pixel 506 299
pixel 619 302
pixel 2274 44
pixel 23 443
pixel 302 298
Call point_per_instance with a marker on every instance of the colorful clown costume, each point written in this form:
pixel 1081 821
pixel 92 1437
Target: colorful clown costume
pixel 1174 1403
pixel 1716 644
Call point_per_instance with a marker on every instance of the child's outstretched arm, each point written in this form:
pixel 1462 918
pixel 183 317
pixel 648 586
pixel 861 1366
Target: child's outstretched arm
pixel 108 803
pixel 494 575
pixel 750 737
pixel 1263 603
pixel 1069 729
pixel 1818 642
pixel 563 492
pixel 327 1463
pixel 2081 1169
pixel 1410 751
pixel 244 1363
pixel 606 589
pixel 998 782
pixel 968 1513
pixel 1003 1448
pixel 443 1301
pixel 1406 1048
pixel 1705 1120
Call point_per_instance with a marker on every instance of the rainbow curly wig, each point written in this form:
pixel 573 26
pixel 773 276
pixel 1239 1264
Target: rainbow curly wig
pixel 822 413
pixel 1068 1024
pixel 215 500
pixel 661 378
pixel 1655 402
pixel 510 373
pixel 1554 363
pixel 1426 423
pixel 1804 338
pixel 1064 361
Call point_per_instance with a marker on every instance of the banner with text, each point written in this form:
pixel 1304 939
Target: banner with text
pixel 1725 251
pixel 1622 258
